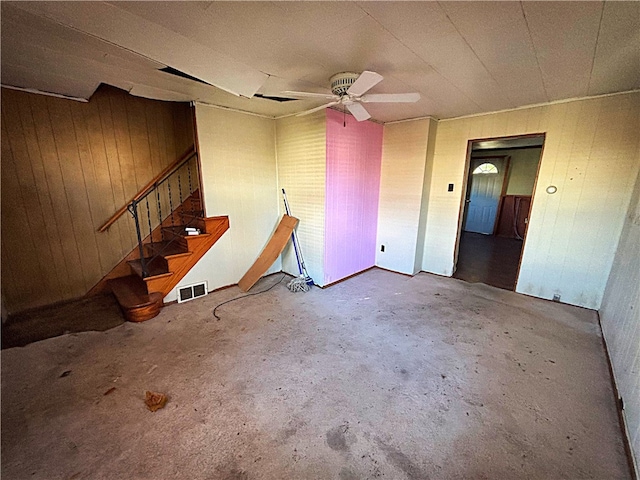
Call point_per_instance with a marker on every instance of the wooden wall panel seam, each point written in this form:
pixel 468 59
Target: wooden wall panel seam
pixel 52 228
pixel 71 174
pixel 29 210
pixel 11 186
pixel 89 176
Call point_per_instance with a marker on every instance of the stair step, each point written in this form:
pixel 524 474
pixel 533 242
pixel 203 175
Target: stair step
pixel 165 248
pixel 155 267
pixel 196 212
pixel 176 230
pixel 131 294
pixel 197 245
pixel 191 200
pixel 179 230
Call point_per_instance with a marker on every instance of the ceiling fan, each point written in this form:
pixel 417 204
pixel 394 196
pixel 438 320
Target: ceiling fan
pixel 349 89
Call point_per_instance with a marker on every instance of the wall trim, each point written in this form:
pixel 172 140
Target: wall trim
pixel 230 109
pixel 42 92
pixel 335 282
pixel 537 105
pixel 624 427
pixel 395 271
pixel 427 117
pixel 329 108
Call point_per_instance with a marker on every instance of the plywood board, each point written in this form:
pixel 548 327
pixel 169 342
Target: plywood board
pixel 271 251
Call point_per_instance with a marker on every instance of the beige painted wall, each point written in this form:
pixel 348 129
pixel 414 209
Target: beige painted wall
pixel 522 174
pixel 301 154
pixel 590 154
pixel 426 191
pixel 66 168
pixel 402 180
pixel 237 154
pixel 620 319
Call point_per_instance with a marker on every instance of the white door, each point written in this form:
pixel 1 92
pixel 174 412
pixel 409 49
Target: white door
pixel 484 194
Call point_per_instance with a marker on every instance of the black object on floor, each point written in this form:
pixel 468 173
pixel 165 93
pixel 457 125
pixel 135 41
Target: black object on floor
pixel 488 259
pixel 97 313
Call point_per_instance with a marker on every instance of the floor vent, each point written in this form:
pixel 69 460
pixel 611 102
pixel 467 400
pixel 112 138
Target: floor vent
pixel 192 291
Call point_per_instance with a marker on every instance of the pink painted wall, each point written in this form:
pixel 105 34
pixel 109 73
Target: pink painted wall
pixel 354 156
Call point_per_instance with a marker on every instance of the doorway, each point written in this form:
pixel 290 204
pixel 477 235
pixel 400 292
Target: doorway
pixel 501 177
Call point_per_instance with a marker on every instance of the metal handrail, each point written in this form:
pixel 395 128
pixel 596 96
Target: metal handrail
pixel 144 191
pixel 144 197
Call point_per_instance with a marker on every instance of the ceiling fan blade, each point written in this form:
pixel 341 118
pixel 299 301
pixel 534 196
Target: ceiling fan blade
pixel 390 98
pixel 364 82
pixel 310 95
pixel 313 110
pixel 358 111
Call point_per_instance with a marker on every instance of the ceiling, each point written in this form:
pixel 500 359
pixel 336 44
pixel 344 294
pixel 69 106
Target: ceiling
pixel 462 57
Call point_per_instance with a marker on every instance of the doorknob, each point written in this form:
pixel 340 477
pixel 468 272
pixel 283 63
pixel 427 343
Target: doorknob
pixel 467 201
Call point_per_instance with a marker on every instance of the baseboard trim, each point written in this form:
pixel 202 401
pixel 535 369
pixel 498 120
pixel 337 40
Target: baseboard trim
pixel 347 278
pixel 626 439
pixel 394 271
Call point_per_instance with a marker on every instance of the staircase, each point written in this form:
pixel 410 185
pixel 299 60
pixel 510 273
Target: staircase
pixel 167 262
pixel 171 249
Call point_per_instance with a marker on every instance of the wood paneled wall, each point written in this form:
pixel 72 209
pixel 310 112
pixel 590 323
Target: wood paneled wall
pixel 66 167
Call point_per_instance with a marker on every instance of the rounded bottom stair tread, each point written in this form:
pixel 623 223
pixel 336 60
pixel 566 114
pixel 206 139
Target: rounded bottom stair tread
pixel 136 303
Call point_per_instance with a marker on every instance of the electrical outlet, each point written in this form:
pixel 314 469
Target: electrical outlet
pixel 450 189
pixel 556 297
pixel 382 248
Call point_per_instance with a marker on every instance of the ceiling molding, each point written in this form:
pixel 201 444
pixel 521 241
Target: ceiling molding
pixel 555 102
pixel 230 109
pixel 427 117
pixel 48 94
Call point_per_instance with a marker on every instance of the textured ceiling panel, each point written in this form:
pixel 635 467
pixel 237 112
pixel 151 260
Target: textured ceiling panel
pixel 134 33
pixel 514 66
pixel 462 57
pixel 617 58
pixel 564 36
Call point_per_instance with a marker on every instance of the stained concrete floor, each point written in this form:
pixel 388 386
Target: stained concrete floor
pixel 99 313
pixel 381 376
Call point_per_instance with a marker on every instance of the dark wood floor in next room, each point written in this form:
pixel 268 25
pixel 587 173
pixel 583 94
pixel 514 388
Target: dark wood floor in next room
pixel 488 259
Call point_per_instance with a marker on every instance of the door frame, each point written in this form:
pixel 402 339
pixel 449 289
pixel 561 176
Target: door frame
pixel 466 183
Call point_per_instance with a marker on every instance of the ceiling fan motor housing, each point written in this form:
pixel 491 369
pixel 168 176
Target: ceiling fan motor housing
pixel 341 82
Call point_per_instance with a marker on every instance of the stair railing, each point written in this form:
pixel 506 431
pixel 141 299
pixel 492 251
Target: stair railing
pixel 168 199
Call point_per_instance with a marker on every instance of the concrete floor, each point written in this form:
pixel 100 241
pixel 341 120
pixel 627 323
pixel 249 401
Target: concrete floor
pixel 379 376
